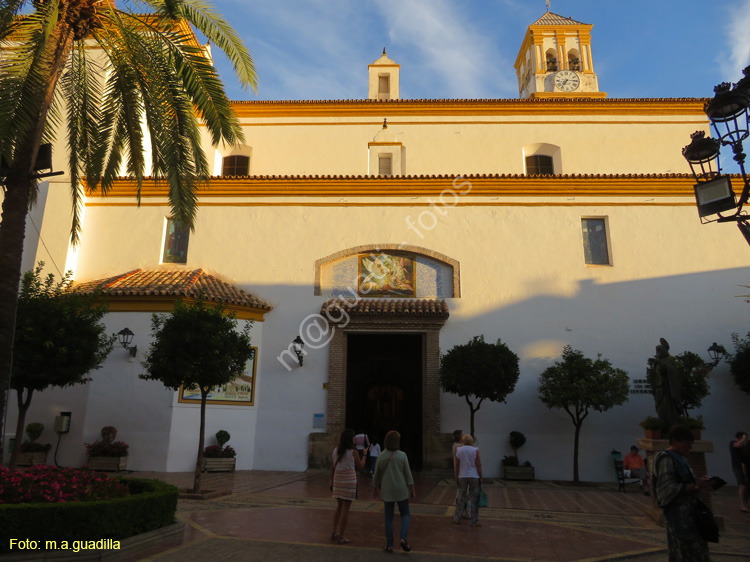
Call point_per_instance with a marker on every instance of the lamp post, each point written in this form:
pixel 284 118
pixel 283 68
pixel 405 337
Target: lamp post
pixel 728 113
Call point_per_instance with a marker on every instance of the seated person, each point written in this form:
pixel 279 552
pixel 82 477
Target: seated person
pixel 634 463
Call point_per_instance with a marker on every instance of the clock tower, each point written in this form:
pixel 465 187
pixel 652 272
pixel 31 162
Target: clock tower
pixel 555 60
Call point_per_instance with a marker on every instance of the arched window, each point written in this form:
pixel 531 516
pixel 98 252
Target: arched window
pixel 235 166
pixel 540 165
pixel 552 61
pixel 574 60
pixel 542 159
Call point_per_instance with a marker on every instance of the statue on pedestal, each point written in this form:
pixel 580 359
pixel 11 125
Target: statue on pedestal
pixel 665 385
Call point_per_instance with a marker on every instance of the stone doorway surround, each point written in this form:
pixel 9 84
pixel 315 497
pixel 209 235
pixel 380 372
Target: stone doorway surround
pixel 420 316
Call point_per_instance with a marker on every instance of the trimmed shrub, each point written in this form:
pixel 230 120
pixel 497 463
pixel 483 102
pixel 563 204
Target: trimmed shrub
pixel 151 505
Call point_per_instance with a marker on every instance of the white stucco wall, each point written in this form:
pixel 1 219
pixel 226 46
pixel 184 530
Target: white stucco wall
pixel 523 279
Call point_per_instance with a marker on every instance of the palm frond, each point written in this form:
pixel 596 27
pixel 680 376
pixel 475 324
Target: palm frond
pixel 82 91
pixel 210 23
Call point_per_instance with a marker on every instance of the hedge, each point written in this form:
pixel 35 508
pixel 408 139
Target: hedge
pixel 152 505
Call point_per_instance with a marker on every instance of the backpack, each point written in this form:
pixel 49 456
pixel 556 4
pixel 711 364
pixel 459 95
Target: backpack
pixel 685 477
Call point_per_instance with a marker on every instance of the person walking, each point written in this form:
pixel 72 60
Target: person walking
pixel 344 463
pixel 393 482
pixel 740 471
pixel 457 435
pixel 372 456
pixel 468 470
pixel 676 491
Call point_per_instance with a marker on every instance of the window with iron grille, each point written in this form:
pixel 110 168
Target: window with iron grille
pixel 235 166
pixel 539 165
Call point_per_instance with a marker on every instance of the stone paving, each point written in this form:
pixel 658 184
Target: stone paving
pixel 275 516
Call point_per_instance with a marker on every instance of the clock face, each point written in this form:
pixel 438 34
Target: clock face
pixel 567 81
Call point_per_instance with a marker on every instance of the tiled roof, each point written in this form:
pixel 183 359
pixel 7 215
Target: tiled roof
pixel 173 283
pixel 462 101
pixel 419 177
pixel 555 19
pixel 387 307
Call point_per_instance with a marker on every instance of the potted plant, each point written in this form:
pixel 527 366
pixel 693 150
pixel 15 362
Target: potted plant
pixel 510 467
pixel 652 427
pixel 219 458
pixel 107 454
pixel 695 424
pixel 30 452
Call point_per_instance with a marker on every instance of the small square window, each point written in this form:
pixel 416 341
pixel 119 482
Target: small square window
pixel 175 243
pixel 385 165
pixel 595 248
pixel 539 165
pixel 235 166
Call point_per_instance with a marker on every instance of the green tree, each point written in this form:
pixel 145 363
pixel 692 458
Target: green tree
pixel 148 70
pixel 480 370
pixel 693 373
pixel 739 363
pixel 579 385
pixel 197 345
pixel 59 340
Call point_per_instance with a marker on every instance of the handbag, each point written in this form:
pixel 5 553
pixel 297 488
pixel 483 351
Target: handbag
pixel 707 526
pixel 483 499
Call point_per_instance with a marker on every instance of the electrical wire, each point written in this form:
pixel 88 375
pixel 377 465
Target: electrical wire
pixel 39 234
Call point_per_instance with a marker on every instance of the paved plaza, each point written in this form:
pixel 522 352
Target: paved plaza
pixel 280 516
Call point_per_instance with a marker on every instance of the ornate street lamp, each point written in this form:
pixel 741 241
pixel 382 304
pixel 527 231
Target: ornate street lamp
pixel 125 336
pixel 298 346
pixel 728 113
pixel 717 353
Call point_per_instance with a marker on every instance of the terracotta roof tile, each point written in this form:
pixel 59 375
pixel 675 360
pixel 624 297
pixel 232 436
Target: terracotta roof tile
pixel 173 283
pixel 388 307
pixel 550 18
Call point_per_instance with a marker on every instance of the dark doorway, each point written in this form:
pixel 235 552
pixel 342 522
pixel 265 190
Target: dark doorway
pixel 384 388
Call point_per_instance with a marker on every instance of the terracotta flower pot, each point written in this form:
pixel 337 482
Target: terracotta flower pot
pixel 653 433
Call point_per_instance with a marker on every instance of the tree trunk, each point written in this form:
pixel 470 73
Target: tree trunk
pixel 12 230
pixel 18 188
pixel 473 411
pixel 575 451
pixel 23 407
pixel 201 441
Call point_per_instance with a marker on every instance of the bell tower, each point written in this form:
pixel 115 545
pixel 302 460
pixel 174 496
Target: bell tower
pixel 555 60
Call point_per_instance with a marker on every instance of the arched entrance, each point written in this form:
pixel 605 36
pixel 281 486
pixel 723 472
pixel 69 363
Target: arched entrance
pixel 413 323
pixel 384 387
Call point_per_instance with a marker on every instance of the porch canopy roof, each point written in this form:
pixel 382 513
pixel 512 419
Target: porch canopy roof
pixel 157 290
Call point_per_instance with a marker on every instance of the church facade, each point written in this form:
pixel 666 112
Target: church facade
pixel 381 232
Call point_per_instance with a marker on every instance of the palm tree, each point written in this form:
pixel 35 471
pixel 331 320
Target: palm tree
pixel 148 69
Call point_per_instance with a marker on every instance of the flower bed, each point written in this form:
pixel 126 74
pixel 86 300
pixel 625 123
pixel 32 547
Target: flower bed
pixel 149 505
pixel 46 484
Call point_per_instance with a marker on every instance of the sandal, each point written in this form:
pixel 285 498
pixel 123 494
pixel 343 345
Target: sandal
pixel 334 536
pixel 388 549
pixel 405 545
pixel 344 540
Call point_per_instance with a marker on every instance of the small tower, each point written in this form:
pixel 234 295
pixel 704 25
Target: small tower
pixel 383 79
pixel 555 60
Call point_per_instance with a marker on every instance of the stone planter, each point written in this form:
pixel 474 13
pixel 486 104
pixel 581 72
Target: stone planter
pixel 219 465
pixel 107 464
pixel 653 433
pixel 29 459
pixel 517 472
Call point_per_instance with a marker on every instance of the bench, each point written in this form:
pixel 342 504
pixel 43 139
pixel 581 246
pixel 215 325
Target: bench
pixel 622 480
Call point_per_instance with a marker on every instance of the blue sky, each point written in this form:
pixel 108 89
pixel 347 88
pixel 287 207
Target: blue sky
pixel 320 49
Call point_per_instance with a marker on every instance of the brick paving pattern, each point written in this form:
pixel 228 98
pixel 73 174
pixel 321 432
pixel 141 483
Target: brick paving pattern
pixel 282 516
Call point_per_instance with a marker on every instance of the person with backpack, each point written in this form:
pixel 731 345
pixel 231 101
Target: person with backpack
pixel 677 489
